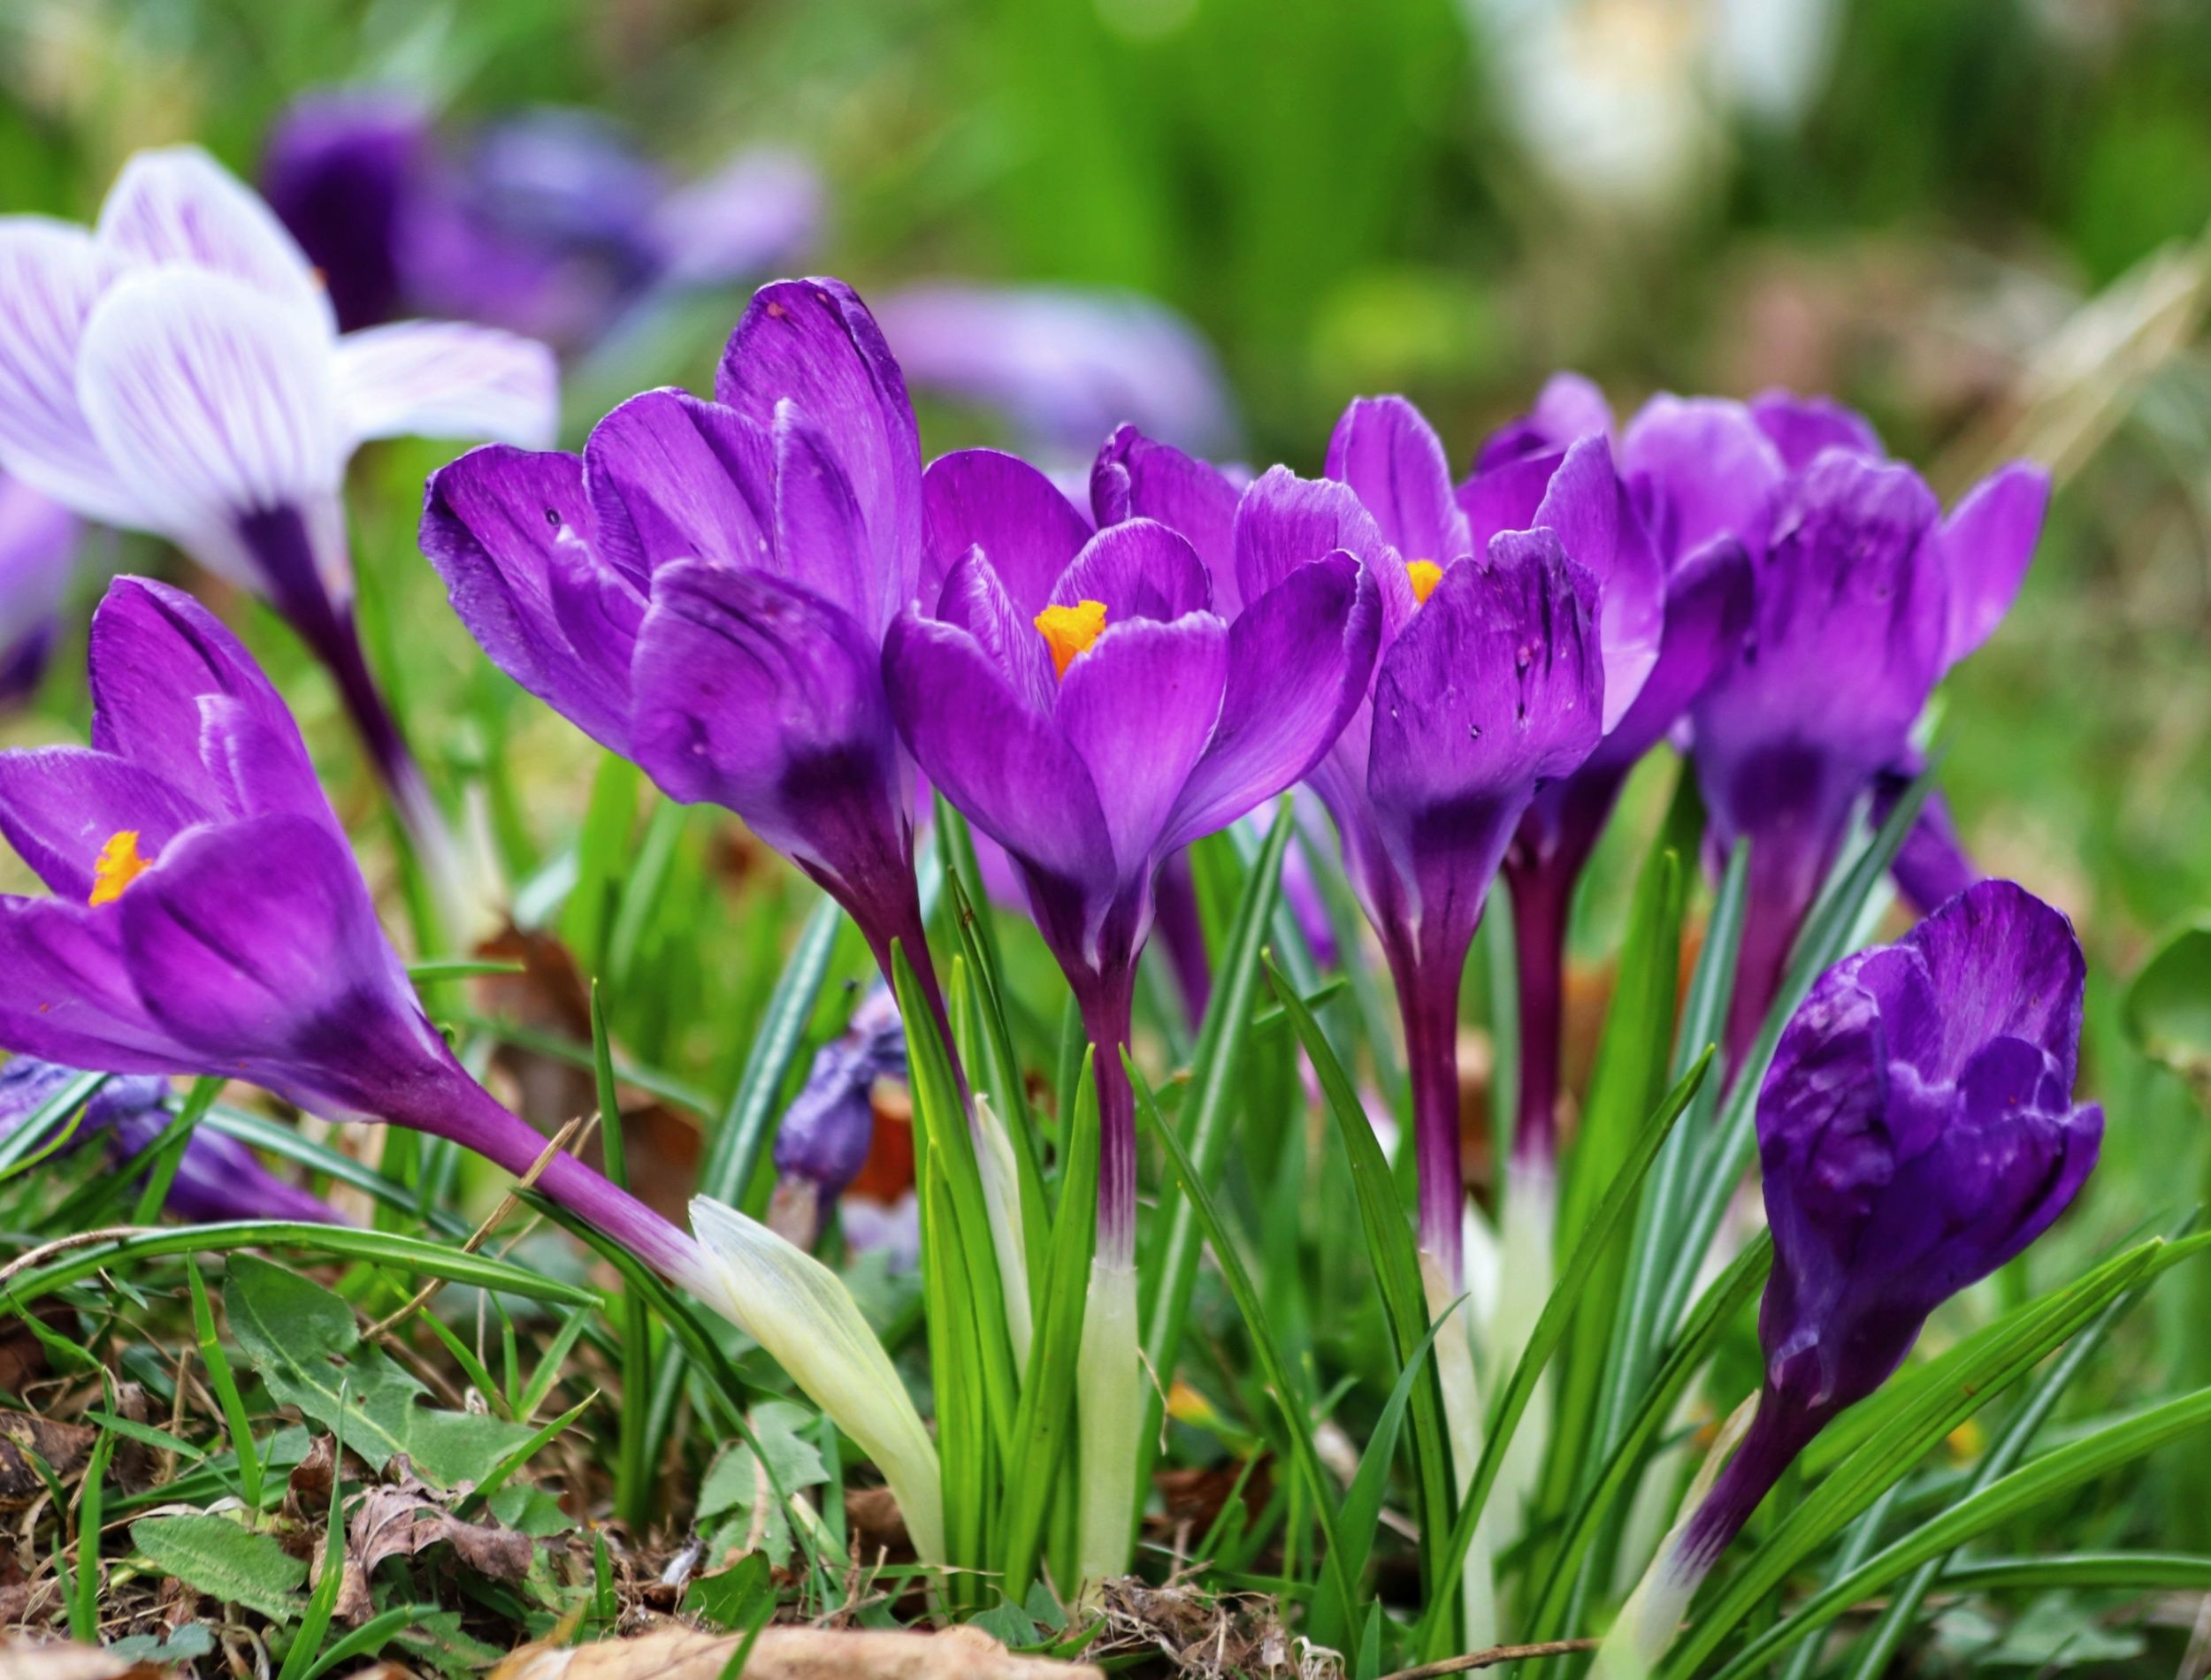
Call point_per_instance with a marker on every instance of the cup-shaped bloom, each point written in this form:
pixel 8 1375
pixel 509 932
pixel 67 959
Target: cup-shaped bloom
pixel 1916 1131
pixel 1675 619
pixel 178 369
pixel 38 551
pixel 705 589
pixel 207 917
pixel 1065 365
pixel 217 1177
pixel 1077 697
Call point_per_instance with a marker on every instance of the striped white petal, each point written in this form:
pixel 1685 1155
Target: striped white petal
pixel 51 275
pixel 448 380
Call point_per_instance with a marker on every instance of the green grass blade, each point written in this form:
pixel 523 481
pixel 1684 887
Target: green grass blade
pixel 321 1603
pixel 220 1379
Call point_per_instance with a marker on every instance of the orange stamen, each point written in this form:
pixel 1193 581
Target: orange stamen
pixel 118 865
pixel 1069 630
pixel 1426 574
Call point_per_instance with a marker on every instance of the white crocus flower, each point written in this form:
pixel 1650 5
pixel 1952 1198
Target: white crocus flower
pixel 177 369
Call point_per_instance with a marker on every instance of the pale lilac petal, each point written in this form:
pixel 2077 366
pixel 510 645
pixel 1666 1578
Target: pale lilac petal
pixel 59 806
pixel 1139 707
pixel 672 478
pixel 1139 568
pixel 39 539
pixel 755 214
pixel 178 206
pixel 1986 544
pixel 448 380
pixel 1008 769
pixel 51 275
pixel 212 402
pixel 987 498
pixel 1803 428
pixel 511 534
pixel 1385 449
pixel 1299 658
pixel 1697 468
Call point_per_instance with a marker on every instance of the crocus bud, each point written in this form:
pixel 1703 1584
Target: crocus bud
pixel 1915 1131
pixel 830 1126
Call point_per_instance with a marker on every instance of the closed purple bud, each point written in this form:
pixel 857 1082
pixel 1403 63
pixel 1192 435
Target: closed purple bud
pixel 830 1126
pixel 341 171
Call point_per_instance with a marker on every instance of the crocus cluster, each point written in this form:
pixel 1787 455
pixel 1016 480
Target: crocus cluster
pixel 1915 1131
pixel 178 369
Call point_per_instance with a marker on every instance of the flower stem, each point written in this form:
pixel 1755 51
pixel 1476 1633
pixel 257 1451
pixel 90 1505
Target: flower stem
pixel 1427 998
pixel 1109 1418
pixel 1542 897
pixel 1107 1005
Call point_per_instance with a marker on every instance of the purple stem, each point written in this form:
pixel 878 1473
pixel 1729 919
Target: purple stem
pixel 1428 997
pixel 1542 896
pixel 1182 931
pixel 1777 1435
pixel 1107 1002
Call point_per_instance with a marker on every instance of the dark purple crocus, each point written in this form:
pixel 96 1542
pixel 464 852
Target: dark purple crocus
pixel 38 551
pixel 830 1124
pixel 1916 1131
pixel 1076 697
pixel 1697 586
pixel 218 1178
pixel 548 223
pixel 207 916
pixel 706 588
pixel 1866 595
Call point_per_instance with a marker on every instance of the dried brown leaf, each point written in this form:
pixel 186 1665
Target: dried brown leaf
pixel 65 1447
pixel 791 1653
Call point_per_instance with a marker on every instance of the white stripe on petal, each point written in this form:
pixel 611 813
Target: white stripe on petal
pixel 448 380
pixel 214 400
pixel 179 205
pixel 51 274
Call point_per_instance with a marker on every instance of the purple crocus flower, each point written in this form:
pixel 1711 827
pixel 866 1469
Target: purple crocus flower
pixel 830 1124
pixel 207 916
pixel 218 1178
pixel 1866 596
pixel 178 369
pixel 548 223
pixel 1699 593
pixel 1078 698
pixel 705 590
pixel 1915 1132
pixel 38 551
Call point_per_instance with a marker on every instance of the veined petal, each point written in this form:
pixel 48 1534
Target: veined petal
pixel 512 534
pixel 672 478
pixel 51 275
pixel 178 206
pixel 1299 658
pixel 813 343
pixel 1138 477
pixel 1139 708
pixel 802 1314
pixel 1284 522
pixel 1008 768
pixel 757 695
pixel 987 498
pixel 1139 568
pixel 2006 965
pixel 1586 505
pixel 1986 543
pixel 447 379
pixel 1385 449
pixel 821 537
pixel 212 401
pixel 1699 469
pixel 60 806
pixel 1803 428
pixel 1707 607
pixel 976 600
pixel 69 998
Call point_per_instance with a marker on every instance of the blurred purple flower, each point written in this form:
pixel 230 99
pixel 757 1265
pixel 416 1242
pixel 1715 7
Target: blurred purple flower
pixel 208 918
pixel 178 370
pixel 1065 365
pixel 548 223
pixel 38 549
pixel 830 1124
pixel 1915 1132
pixel 1077 697
pixel 1674 617
pixel 217 1178
pixel 705 590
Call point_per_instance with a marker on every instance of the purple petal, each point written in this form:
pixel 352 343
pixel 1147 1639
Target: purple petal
pixel 38 552
pixel 759 696
pixel 69 996
pixel 976 601
pixel 1505 496
pixel 1699 469
pixel 2006 965
pixel 1803 428
pixel 1299 659
pixel 512 535
pixel 1284 522
pixel 813 343
pixel 671 477
pixel 51 275
pixel 1709 603
pixel 1586 505
pixel 178 207
pixel 218 1179
pixel 337 169
pixel 59 805
pixel 822 542
pixel 1139 569
pixel 1986 543
pixel 1388 453
pixel 1570 406
pixel 1138 477
pixel 1008 769
pixel 1139 708
pixel 987 498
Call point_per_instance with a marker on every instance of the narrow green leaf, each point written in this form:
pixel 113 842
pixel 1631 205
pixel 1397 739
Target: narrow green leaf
pixel 225 1386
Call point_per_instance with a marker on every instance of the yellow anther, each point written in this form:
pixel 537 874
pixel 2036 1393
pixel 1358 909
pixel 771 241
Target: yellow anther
pixel 1069 630
pixel 118 865
pixel 1426 574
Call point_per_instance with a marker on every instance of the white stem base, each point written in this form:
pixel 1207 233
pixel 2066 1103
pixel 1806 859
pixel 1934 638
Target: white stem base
pixel 1528 1274
pixel 1002 1195
pixel 1109 1415
pixel 1463 1418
